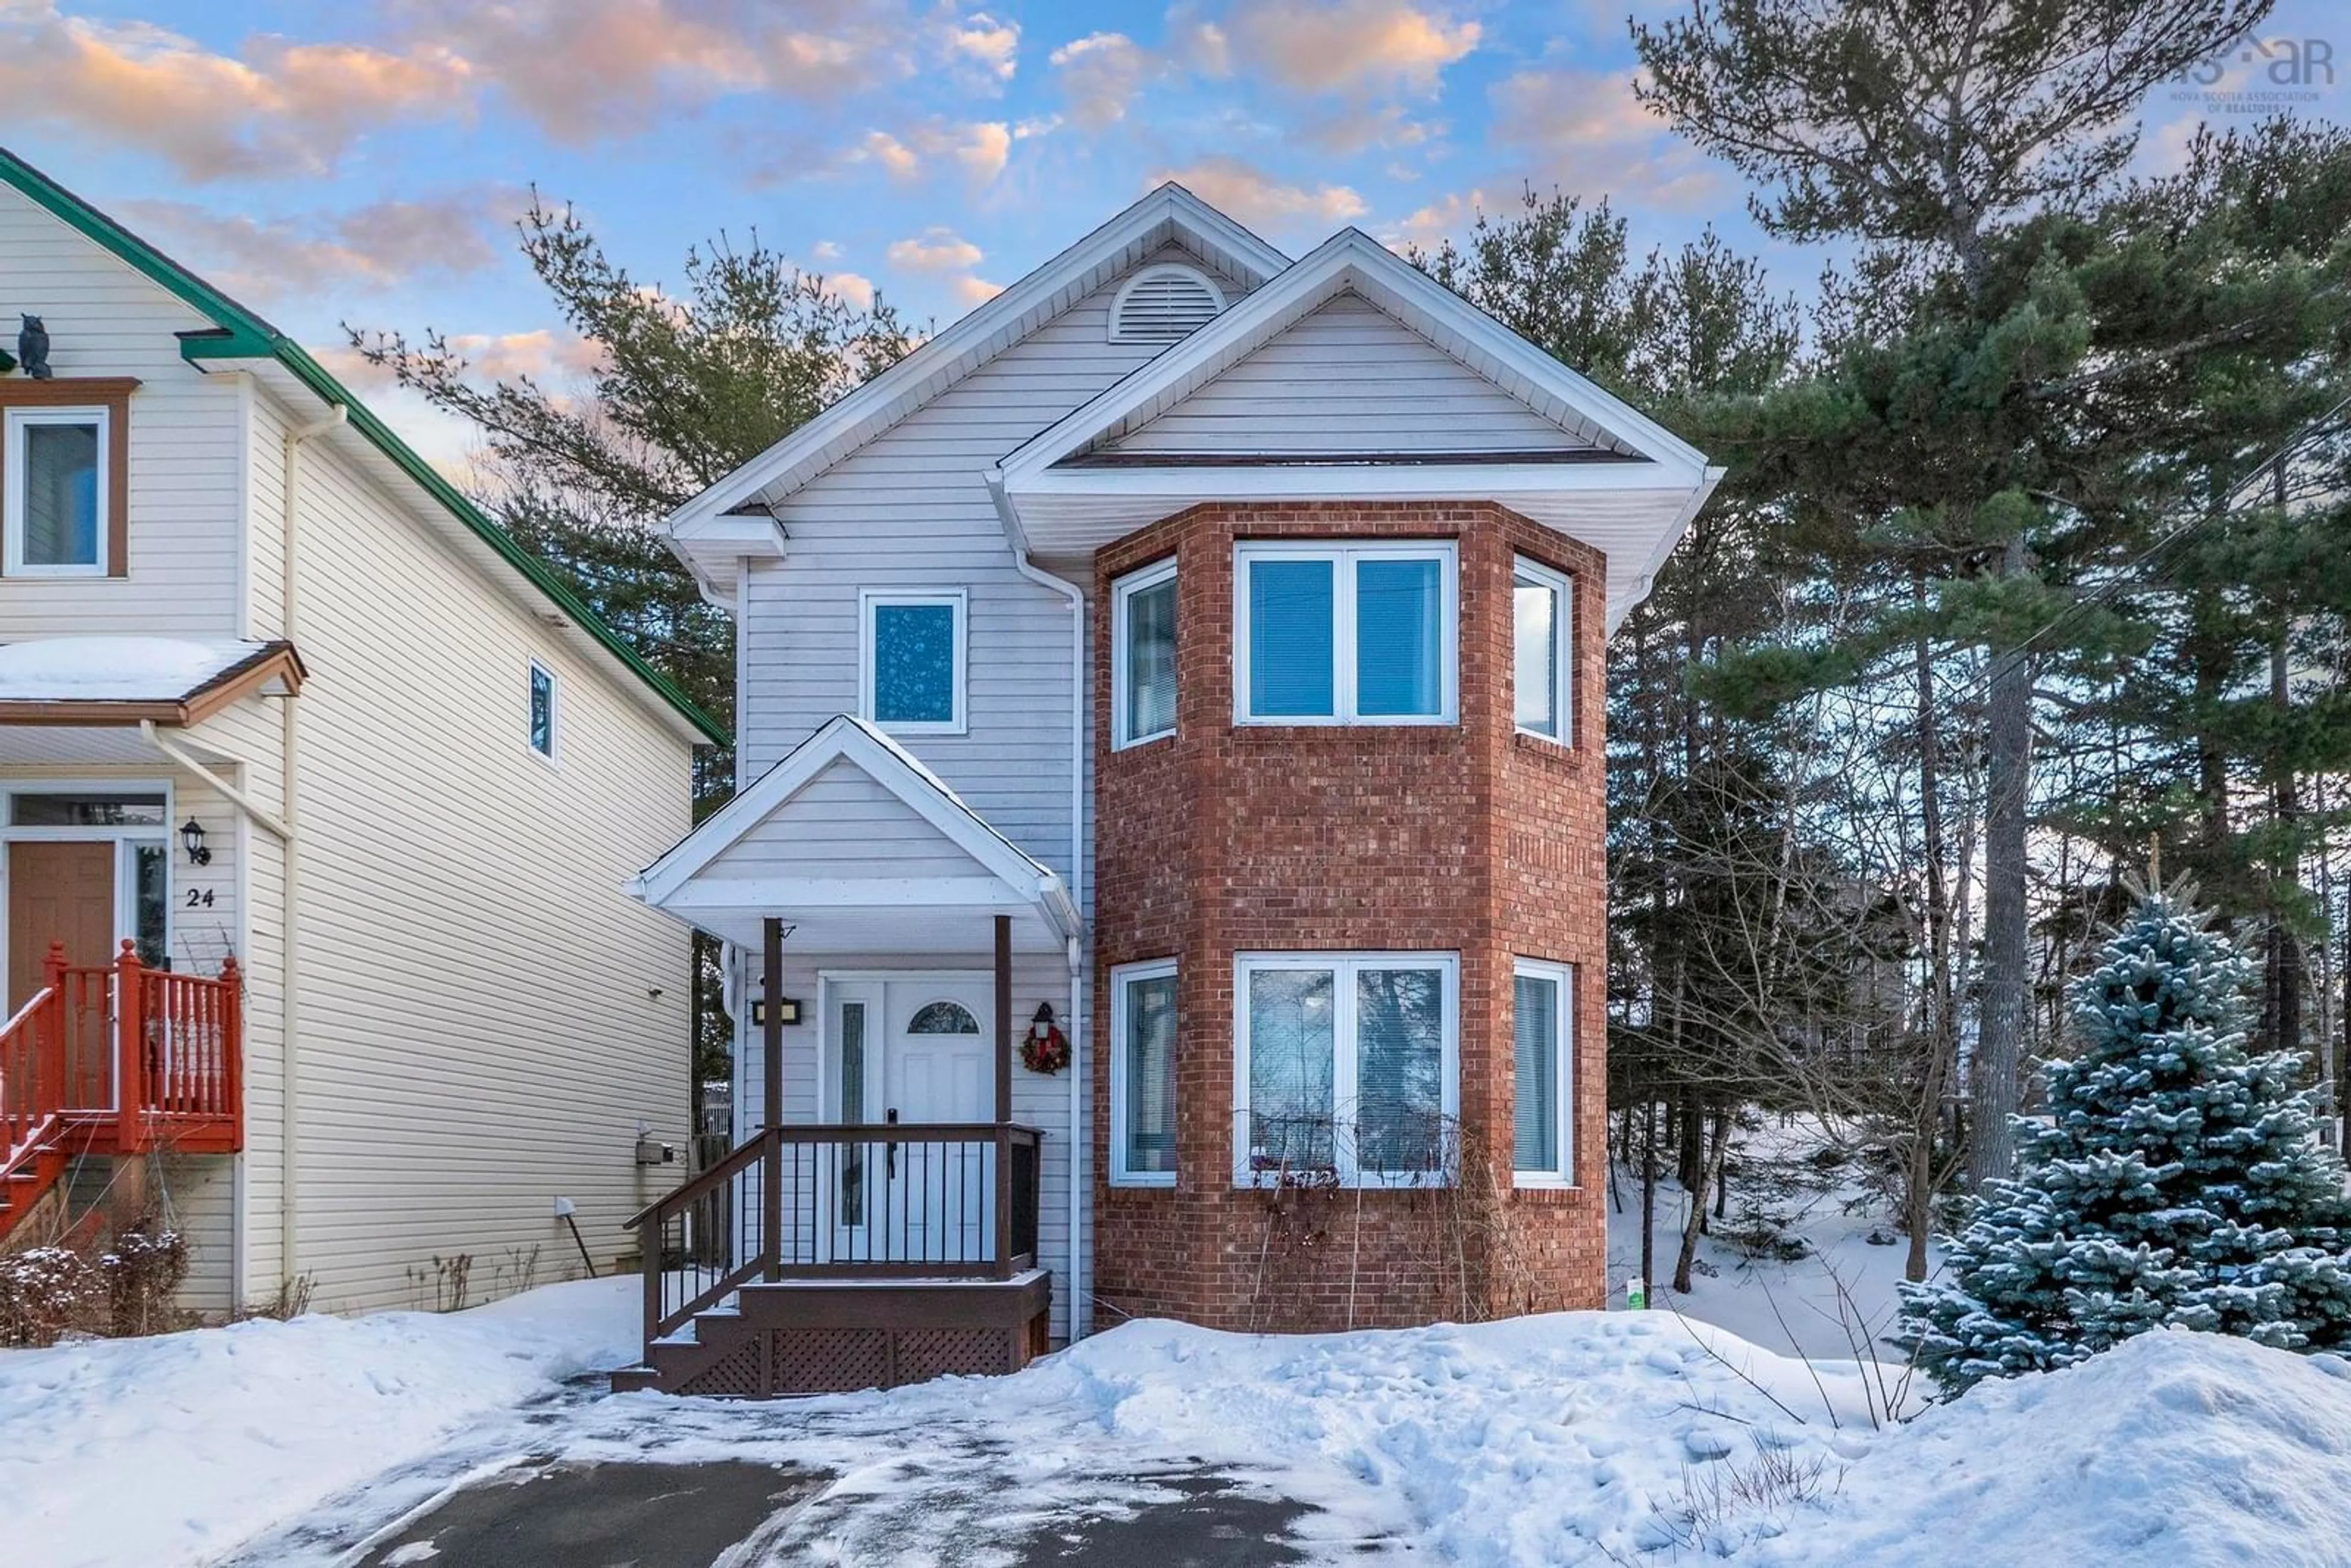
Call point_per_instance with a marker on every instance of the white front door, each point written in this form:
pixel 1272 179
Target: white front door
pixel 940 1068
pixel 914 1052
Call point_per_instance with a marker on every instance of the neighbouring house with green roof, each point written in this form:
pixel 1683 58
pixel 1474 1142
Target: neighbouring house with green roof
pixel 318 795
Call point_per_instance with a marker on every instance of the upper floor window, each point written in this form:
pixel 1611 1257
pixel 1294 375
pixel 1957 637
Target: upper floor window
pixel 1542 1122
pixel 56 506
pixel 1355 634
pixel 1543 663
pixel 542 710
pixel 1346 1068
pixel 1143 669
pixel 911 662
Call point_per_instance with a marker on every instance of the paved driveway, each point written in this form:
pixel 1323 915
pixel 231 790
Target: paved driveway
pixel 641 1481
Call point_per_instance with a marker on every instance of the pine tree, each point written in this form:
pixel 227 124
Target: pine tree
pixel 2178 1183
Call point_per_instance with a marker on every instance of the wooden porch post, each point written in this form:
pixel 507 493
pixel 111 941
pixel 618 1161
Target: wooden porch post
pixel 130 1052
pixel 1003 1096
pixel 771 1097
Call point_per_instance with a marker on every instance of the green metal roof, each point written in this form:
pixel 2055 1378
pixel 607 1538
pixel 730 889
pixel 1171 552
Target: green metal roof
pixel 238 334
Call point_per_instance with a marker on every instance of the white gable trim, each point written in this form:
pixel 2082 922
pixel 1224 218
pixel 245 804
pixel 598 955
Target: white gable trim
pixel 1168 214
pixel 1351 259
pixel 1011 878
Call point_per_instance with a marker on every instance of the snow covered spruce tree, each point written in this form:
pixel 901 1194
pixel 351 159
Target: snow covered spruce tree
pixel 2177 1182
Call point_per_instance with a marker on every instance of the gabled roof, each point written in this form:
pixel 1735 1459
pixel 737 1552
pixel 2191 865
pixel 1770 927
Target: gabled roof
pixel 127 680
pixel 1630 489
pixel 847 738
pixel 1169 214
pixel 238 334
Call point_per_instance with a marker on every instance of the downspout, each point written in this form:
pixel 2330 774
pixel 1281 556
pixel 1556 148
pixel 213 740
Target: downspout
pixel 289 1016
pixel 1080 1045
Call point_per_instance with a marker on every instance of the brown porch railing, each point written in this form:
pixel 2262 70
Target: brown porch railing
pixel 844 1202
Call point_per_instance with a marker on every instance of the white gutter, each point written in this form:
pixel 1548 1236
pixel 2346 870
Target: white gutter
pixel 1080 1044
pixel 289 759
pixel 243 801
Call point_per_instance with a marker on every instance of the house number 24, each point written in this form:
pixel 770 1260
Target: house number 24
pixel 200 898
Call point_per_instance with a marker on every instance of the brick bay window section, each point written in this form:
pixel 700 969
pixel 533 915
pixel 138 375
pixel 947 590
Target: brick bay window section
pixel 911 660
pixel 1346 1069
pixel 1343 633
pixel 1142 669
pixel 1543 1066
pixel 1143 1075
pixel 57 474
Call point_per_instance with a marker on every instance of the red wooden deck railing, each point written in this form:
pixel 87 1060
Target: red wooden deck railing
pixel 118 1058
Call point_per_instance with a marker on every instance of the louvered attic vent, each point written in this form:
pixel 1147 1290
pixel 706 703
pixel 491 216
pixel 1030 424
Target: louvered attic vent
pixel 1161 304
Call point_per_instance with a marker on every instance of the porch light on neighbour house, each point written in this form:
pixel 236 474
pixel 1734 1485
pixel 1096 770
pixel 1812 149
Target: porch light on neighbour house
pixel 192 833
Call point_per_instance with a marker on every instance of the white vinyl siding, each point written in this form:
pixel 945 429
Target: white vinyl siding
pixel 186 492
pixel 1542 666
pixel 480 1028
pixel 843 824
pixel 908 512
pixel 1143 671
pixel 1542 1074
pixel 1142 1108
pixel 1349 378
pixel 1346 1068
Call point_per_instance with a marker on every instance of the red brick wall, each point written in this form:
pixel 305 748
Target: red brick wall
pixel 1469 839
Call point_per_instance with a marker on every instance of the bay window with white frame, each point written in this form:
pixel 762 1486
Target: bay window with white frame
pixel 1339 633
pixel 1542 1074
pixel 1143 663
pixel 1542 663
pixel 1346 1068
pixel 1142 1074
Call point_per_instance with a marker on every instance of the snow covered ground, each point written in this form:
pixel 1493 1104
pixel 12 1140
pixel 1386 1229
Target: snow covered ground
pixel 1840 1291
pixel 1573 1438
pixel 174 1449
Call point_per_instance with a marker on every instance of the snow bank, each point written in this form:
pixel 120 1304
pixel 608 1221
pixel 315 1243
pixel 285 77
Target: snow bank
pixel 2171 1449
pixel 172 1449
pixel 113 669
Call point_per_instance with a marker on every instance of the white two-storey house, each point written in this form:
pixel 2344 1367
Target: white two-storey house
pixel 1168 870
pixel 317 797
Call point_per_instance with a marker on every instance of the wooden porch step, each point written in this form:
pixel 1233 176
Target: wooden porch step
pixel 808 1336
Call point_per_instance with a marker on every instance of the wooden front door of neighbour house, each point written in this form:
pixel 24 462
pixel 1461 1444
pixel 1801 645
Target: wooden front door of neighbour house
pixel 57 892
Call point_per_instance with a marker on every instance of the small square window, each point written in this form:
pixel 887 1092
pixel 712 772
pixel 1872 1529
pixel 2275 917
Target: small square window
pixel 1543 647
pixel 1142 629
pixel 1344 634
pixel 911 656
pixel 56 502
pixel 1542 1122
pixel 1143 1075
pixel 542 710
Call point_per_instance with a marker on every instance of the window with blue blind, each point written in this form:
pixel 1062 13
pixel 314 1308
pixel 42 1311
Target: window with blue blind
pixel 912 655
pixel 1344 634
pixel 1543 1135
pixel 1347 1068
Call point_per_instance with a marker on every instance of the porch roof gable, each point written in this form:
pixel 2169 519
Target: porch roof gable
pixel 967 861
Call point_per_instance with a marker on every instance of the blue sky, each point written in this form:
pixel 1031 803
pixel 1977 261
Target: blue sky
pixel 363 162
